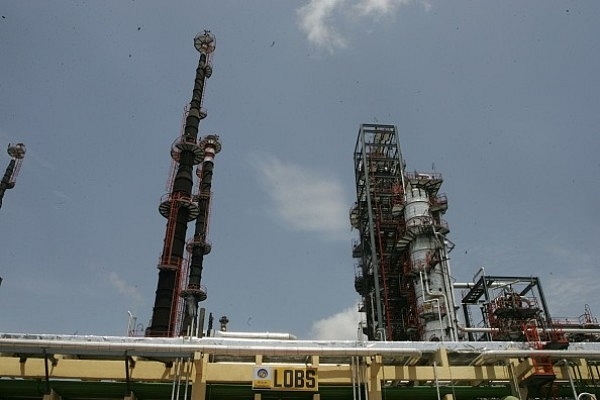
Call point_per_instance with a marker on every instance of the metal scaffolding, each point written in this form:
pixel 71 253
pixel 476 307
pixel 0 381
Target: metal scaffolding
pixel 402 272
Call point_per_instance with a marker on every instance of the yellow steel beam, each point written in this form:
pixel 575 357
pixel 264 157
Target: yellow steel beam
pixel 441 357
pixel 375 376
pixel 199 384
pixel 205 372
pixel 65 368
pixel 446 373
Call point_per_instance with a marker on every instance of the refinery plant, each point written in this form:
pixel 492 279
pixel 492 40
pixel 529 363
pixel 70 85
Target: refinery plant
pixel 403 270
pixel 422 335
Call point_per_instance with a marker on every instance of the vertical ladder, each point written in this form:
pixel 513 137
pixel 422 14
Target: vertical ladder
pixel 543 371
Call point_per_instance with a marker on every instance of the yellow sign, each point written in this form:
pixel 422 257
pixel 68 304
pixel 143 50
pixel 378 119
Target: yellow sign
pixel 285 378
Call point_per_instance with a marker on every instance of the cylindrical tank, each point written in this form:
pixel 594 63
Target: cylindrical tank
pixel 431 304
pixel 416 212
pixel 420 249
pixel 428 281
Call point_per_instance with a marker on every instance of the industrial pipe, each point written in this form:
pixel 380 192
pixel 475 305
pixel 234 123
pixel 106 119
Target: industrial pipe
pixel 497 355
pixel 428 292
pixel 470 285
pixel 183 348
pixel 566 364
pixel 563 330
pixel 254 335
pixel 450 304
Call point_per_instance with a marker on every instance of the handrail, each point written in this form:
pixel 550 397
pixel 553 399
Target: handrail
pixel 423 175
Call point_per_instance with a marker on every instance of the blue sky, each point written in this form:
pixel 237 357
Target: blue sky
pixel 500 97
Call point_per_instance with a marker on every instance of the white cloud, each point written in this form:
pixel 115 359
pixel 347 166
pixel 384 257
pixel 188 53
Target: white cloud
pixel 378 7
pixel 340 326
pixel 315 20
pixel 125 289
pixel 318 17
pixel 305 200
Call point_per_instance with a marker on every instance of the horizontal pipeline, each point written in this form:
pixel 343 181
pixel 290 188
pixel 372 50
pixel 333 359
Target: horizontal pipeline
pixel 254 335
pixel 563 330
pixel 186 347
pixel 499 355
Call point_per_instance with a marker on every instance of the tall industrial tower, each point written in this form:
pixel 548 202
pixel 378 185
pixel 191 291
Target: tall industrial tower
pixel 16 153
pixel 177 293
pixel 402 272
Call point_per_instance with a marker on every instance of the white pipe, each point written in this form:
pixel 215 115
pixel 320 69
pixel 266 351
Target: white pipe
pixel 583 395
pixel 439 312
pixel 566 364
pixel 574 330
pixel 353 381
pixel 181 370
pixel 450 304
pixel 430 293
pixel 498 355
pixel 470 285
pixel 437 382
pixel 129 323
pixel 188 375
pixel 563 330
pixel 481 270
pixel 433 300
pixel 255 335
pixel 178 348
pixel 363 374
pixel 473 329
pixel 448 286
pixel 174 380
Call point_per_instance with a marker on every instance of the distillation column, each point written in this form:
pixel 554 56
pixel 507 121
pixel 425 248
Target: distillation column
pixel 16 153
pixel 427 251
pixel 194 293
pixel 179 206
